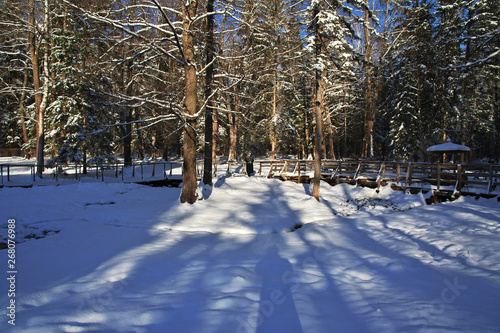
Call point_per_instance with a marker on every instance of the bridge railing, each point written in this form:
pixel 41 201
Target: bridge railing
pixel 483 178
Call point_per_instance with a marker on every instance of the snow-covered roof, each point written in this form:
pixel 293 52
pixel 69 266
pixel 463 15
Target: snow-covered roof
pixel 448 146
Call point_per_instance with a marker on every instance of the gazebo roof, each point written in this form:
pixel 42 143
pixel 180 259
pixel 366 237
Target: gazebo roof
pixel 448 147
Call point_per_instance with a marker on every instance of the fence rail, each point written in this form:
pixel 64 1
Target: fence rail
pixel 456 178
pixel 25 174
pixel 478 179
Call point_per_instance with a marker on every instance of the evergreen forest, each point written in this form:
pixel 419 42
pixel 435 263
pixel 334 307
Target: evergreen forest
pixel 86 81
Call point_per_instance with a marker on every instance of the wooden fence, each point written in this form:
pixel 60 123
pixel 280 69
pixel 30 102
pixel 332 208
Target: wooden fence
pixel 471 179
pixel 25 174
pixel 447 179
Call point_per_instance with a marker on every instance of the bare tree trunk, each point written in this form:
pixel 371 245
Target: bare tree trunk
pixel 215 114
pixel 318 140
pixel 33 48
pixel 209 112
pixel 214 136
pixel 307 134
pixel 233 126
pixel 22 114
pixel 273 128
pixel 369 113
pixel 189 181
pixel 329 131
pixel 318 111
pixel 41 97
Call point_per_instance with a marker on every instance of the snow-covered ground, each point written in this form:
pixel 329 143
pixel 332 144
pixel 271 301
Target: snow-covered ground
pixel 257 255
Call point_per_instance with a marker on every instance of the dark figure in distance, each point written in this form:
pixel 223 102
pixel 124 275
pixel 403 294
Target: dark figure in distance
pixel 249 162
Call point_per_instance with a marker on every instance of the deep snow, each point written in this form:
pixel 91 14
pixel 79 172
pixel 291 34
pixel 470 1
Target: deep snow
pixel 257 255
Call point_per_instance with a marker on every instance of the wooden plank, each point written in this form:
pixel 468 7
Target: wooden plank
pixel 490 185
pixel 438 176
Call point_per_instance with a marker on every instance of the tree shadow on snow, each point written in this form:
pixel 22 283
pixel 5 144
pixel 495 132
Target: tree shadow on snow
pixel 345 280
pixel 380 265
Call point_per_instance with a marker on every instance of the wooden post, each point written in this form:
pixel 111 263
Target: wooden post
pixel 398 173
pixel 153 174
pixel 381 175
pixel 358 171
pixel 408 176
pixel 339 173
pixel 459 179
pixel 297 166
pixel 490 185
pixel 438 176
pixel 284 168
pixel 269 175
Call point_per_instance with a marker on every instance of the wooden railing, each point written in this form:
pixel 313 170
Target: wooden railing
pixel 473 178
pixel 476 179
pixel 25 174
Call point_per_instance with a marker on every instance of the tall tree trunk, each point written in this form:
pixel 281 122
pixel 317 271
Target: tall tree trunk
pixel 126 115
pixel 215 130
pixel 22 114
pixel 127 137
pixel 306 134
pixel 274 118
pixel 41 97
pixel 215 114
pixel 189 182
pixel 369 110
pixel 33 48
pixel 233 126
pixel 318 110
pixel 329 131
pixel 209 112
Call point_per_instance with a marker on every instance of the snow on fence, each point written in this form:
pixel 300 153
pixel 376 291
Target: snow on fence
pixel 25 174
pixel 471 179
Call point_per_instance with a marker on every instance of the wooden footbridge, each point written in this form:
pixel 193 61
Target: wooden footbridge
pixel 447 180
pixel 444 180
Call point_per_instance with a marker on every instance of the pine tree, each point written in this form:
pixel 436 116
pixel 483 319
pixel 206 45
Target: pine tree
pixel 409 97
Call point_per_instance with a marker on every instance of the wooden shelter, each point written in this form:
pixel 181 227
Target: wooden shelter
pixel 449 149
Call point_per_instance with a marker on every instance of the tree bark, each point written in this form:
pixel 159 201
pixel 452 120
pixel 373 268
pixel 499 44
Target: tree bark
pixel 209 112
pixel 233 126
pixel 273 135
pixel 369 113
pixel 317 144
pixel 41 97
pixel 329 130
pixel 318 111
pixel 22 114
pixel 189 181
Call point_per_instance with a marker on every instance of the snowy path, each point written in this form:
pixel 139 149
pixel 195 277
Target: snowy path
pixel 129 258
